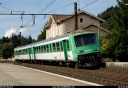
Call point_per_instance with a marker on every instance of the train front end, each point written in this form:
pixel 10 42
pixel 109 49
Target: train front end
pixel 86 50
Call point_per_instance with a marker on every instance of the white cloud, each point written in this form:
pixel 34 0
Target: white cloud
pixel 10 32
pixel 23 30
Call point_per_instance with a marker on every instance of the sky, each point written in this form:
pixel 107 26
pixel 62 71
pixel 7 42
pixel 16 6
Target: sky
pixel 12 23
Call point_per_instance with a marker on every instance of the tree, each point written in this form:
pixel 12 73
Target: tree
pixel 119 37
pixel 118 40
pixel 1 46
pixel 5 40
pixel 7 50
pixel 108 17
pixel 29 40
pixel 42 36
pixel 15 40
pixel 7 45
pixel 115 44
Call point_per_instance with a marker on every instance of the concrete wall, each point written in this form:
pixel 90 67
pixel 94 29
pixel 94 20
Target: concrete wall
pixel 98 30
pixel 117 64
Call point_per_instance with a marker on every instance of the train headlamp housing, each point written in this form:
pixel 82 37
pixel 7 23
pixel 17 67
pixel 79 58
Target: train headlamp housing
pixel 80 51
pixel 96 49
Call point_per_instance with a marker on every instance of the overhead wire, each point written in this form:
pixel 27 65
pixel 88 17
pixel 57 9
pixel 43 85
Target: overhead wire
pixel 21 12
pixel 69 5
pixel 89 4
pixel 53 11
pixel 46 8
pixel 37 5
pixel 60 8
pixel 47 12
pixel 16 22
pixel 33 27
pixel 78 3
pixel 41 11
pixel 72 4
pixel 9 9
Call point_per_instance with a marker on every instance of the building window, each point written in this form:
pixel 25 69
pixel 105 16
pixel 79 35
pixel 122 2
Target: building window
pixel 81 20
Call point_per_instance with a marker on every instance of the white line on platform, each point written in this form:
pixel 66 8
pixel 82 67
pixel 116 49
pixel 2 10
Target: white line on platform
pixel 74 79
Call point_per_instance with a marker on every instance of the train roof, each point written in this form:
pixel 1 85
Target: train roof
pixel 53 39
pixel 43 41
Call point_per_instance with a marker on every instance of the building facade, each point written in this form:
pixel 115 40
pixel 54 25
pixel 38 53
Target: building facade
pixel 59 24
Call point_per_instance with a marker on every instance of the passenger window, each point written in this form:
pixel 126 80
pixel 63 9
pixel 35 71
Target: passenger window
pixel 37 49
pixel 61 46
pixel 21 52
pixel 47 48
pixel 41 49
pixel 25 51
pixel 58 46
pixel 50 48
pixel 44 49
pixel 67 43
pixel 54 47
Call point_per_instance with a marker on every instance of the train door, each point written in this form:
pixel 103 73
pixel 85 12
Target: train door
pixel 32 54
pixel 29 52
pixel 64 44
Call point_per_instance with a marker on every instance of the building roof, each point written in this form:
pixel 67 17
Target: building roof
pixel 97 27
pixel 56 18
pixel 62 17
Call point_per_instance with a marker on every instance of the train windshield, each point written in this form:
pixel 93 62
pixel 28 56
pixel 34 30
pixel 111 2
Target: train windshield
pixel 85 39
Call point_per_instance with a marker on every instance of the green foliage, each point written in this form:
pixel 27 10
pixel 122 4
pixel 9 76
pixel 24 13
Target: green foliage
pixel 108 17
pixel 116 43
pixel 7 45
pixel 1 45
pixel 42 36
pixel 15 40
pixel 7 50
pixel 26 41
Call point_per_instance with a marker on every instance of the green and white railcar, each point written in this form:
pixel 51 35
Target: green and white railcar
pixel 22 53
pixel 53 49
pixel 79 48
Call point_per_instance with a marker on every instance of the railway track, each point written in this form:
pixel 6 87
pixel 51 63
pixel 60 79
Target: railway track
pixel 116 69
pixel 91 76
pixel 88 75
pixel 104 76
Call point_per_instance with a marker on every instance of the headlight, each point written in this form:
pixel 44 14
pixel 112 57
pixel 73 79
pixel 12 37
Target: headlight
pixel 80 51
pixel 96 49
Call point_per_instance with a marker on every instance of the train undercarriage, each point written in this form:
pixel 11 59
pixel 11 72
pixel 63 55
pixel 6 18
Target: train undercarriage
pixel 86 60
pixel 89 60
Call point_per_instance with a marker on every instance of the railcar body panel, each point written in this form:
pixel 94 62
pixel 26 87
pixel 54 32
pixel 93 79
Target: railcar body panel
pixel 23 57
pixel 86 48
pixel 78 47
pixel 55 56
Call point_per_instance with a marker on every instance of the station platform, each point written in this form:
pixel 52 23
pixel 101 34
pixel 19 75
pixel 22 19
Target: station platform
pixel 14 75
pixel 117 64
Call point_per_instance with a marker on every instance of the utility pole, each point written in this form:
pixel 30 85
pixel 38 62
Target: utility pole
pixel 76 16
pixel 20 38
pixel 76 25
